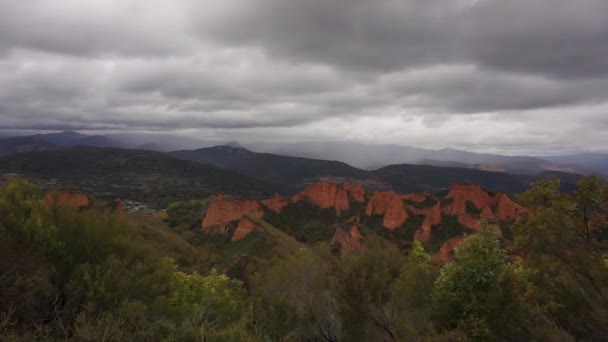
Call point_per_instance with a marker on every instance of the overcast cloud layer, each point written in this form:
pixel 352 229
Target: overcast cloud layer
pixel 516 76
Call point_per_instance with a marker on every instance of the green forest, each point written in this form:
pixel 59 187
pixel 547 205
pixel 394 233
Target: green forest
pixel 69 274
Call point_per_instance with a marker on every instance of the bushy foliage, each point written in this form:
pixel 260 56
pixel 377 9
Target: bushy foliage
pixel 98 277
pixel 86 275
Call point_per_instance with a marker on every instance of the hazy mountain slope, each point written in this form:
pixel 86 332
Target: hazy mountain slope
pixel 52 141
pixel 270 167
pixel 363 156
pixel 149 177
pixel 71 139
pixel 413 178
pixel 404 177
pixel 593 162
pixel 367 157
pixel 160 142
pixel 375 156
pixel 14 145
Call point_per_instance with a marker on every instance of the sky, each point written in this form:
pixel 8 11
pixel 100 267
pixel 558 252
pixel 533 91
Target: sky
pixel 512 77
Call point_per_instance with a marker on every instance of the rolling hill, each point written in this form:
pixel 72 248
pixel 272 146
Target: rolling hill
pixel 53 141
pixel 415 178
pixel 153 178
pixel 15 145
pixel 273 168
pixel 357 155
pixel 371 157
pixel 296 172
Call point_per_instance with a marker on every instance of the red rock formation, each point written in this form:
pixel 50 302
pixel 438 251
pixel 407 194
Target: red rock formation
pixel 470 221
pixel 487 213
pixel 296 198
pixel 433 217
pixel 221 211
pixel 66 199
pixel 356 191
pixel 245 227
pixel 391 206
pixel 416 211
pixel 350 240
pixel 507 210
pixel 416 197
pixel 444 253
pixel 379 202
pixel 462 192
pixel 325 195
pixel 275 203
pixel 396 215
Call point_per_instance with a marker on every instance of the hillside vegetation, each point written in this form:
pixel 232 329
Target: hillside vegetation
pixel 150 177
pixel 91 275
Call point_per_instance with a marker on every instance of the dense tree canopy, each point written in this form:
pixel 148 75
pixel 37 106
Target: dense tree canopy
pixel 91 275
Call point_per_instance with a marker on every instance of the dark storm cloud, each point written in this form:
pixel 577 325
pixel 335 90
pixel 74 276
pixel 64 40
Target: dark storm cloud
pixel 558 38
pixel 469 90
pixel 555 38
pixel 359 35
pixel 377 70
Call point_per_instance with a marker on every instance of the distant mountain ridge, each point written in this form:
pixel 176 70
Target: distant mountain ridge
pixel 270 167
pixel 295 172
pixel 360 156
pixel 150 177
pixel 370 157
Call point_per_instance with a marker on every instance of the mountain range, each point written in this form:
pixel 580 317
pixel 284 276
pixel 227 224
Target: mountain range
pixel 361 156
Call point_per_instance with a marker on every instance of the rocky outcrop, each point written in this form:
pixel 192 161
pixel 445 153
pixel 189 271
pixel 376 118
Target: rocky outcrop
pixel 245 227
pixel 395 215
pixel 325 195
pixel 433 217
pixel 356 191
pixel 445 251
pixel 67 199
pixel 460 193
pixel 275 203
pixel 350 240
pixel 379 202
pixel 222 212
pixel 506 209
pixel 416 197
pixel 469 221
pixel 487 214
pixel 391 206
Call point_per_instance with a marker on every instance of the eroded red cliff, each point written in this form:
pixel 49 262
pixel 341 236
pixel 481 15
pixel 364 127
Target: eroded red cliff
pixel 379 202
pixel 325 195
pixel 391 206
pixel 433 217
pixel 245 227
pixel 506 209
pixel 356 191
pixel 460 193
pixel 487 213
pixel 446 250
pixel 469 221
pixel 416 197
pixel 351 240
pixel 222 211
pixel 275 203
